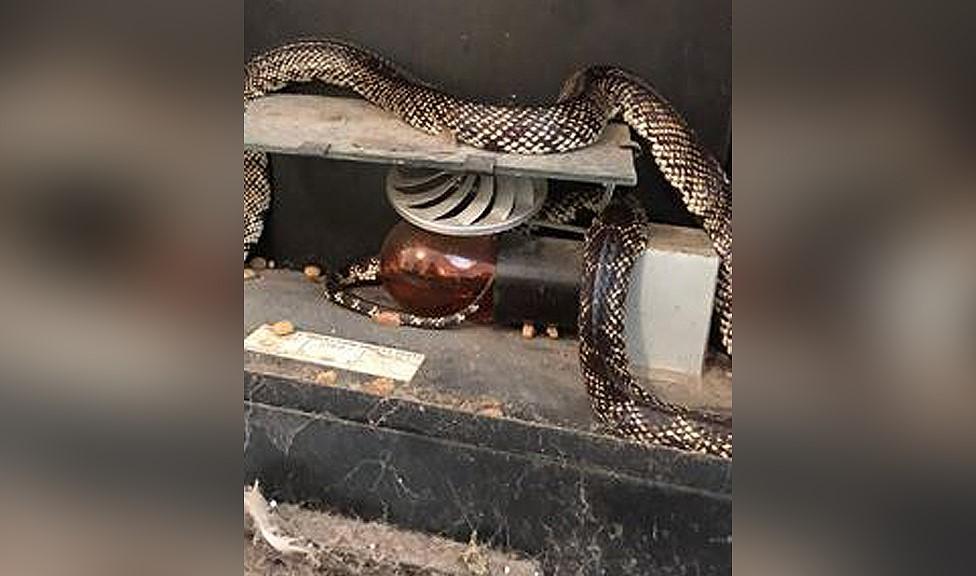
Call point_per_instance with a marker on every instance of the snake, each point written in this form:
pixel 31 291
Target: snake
pixel 588 100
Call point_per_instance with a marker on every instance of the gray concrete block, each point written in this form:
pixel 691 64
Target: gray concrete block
pixel 669 306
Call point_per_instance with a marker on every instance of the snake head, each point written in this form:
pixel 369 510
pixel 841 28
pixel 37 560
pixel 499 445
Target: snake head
pixel 574 85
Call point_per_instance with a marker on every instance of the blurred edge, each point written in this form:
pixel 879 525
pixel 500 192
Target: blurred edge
pixel 120 178
pixel 856 287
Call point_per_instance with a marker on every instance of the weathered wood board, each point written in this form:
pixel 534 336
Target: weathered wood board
pixel 352 129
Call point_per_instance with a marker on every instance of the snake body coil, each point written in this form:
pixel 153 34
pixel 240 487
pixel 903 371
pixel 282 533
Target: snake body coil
pixel 588 100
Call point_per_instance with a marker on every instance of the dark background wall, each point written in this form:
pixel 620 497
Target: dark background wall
pixel 493 50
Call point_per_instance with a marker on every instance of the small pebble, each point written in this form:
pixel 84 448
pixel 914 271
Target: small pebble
pixel 249 274
pixel 312 272
pixel 552 332
pixel 259 263
pixel 271 264
pixel 283 328
pixel 528 330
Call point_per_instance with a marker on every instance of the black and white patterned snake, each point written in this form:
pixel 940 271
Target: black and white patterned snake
pixel 589 99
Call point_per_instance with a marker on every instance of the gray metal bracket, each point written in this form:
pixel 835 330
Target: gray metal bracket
pixel 479 164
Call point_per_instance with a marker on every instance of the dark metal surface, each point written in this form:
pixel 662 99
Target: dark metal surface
pixel 537 279
pixel 579 503
pixel 574 517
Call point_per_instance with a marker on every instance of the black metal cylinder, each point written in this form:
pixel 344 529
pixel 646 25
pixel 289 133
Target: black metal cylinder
pixel 537 280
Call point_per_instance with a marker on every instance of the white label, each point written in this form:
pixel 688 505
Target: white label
pixel 336 353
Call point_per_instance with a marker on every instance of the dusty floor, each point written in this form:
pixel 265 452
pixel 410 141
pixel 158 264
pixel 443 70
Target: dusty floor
pixel 354 548
pixel 460 369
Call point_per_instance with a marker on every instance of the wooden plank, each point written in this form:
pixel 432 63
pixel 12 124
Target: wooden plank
pixel 352 129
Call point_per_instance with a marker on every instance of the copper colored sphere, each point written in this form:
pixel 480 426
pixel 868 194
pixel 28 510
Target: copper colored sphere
pixel 434 275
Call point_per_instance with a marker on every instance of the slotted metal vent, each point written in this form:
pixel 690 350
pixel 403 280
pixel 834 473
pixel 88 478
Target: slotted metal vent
pixel 463 204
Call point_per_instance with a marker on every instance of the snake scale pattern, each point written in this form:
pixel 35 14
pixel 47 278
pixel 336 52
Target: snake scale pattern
pixel 588 100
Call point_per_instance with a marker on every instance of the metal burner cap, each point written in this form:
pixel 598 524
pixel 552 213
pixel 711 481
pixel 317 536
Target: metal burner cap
pixel 463 204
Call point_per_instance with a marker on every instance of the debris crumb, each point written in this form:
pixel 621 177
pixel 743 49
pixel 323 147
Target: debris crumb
pixel 313 272
pixel 491 407
pixel 379 386
pixel 528 330
pixel 387 318
pixel 552 332
pixel 271 264
pixel 327 378
pixel 249 274
pixel 283 328
pixel 491 412
pixel 259 263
